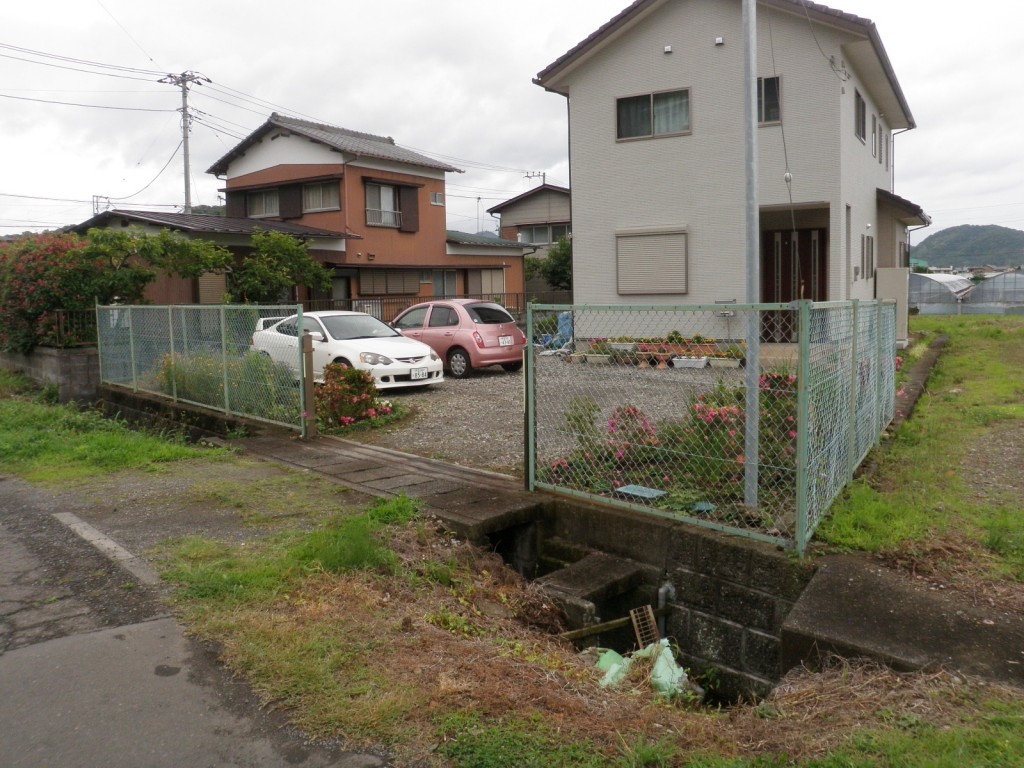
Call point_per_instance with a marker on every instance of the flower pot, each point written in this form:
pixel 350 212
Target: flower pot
pixel 598 359
pixel 689 362
pixel 724 362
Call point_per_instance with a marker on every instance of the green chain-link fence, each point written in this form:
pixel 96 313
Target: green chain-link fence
pixel 646 407
pixel 202 355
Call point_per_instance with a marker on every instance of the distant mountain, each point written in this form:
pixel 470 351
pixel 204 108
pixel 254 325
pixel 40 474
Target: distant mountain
pixel 972 245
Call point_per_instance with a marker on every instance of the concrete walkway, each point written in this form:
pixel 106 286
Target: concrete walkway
pixel 471 502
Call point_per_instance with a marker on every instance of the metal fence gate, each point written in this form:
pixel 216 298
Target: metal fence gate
pixel 745 418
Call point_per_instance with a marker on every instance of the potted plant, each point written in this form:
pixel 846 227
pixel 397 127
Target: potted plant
pixel 731 357
pixel 600 352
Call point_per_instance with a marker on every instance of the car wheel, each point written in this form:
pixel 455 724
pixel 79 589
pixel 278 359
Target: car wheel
pixel 459 364
pixel 512 367
pixel 341 361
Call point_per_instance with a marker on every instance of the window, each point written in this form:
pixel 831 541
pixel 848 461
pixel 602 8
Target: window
pixel 444 282
pixel 378 282
pixel 485 282
pixel 382 206
pixel 881 142
pixel 651 262
pixel 860 125
pixel 443 316
pixel 437 198
pixel 262 203
pixel 874 135
pixel 870 273
pixel 769 100
pixel 653 114
pixel 412 319
pixel 320 197
pixel 543 234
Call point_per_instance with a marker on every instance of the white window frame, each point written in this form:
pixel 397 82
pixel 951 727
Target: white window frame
pixel 314 199
pixel 652 260
pixel 761 100
pixel 437 198
pixel 860 116
pixel 262 204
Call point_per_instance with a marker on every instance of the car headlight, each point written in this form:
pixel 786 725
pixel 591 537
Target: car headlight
pixel 433 356
pixel 372 358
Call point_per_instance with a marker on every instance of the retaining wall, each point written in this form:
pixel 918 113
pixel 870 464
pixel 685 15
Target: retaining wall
pixel 76 372
pixel 731 595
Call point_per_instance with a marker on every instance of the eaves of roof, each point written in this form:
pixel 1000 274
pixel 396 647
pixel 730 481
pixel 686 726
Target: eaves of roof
pixel 814 11
pixel 205 224
pixel 914 213
pixel 456 237
pixel 529 193
pixel 350 142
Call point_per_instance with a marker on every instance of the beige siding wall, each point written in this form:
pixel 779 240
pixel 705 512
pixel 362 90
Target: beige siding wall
pixel 541 208
pixel 697 181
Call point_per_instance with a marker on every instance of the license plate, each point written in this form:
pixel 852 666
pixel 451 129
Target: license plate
pixel 419 373
pixel 505 341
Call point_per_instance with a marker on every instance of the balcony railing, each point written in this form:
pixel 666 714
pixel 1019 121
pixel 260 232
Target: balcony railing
pixel 377 218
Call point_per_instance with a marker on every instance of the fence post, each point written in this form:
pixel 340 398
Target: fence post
pixel 803 427
pixel 529 415
pixel 879 380
pixel 224 359
pixel 131 350
pixel 854 374
pixel 308 393
pixel 170 360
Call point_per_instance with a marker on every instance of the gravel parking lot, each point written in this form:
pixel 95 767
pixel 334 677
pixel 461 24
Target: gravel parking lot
pixel 474 422
pixel 478 421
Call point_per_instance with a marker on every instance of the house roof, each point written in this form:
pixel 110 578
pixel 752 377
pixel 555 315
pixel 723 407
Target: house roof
pixel 529 193
pixel 467 238
pixel 342 139
pixel 914 213
pixel 206 224
pixel 868 65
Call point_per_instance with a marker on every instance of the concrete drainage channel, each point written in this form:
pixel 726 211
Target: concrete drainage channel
pixel 723 600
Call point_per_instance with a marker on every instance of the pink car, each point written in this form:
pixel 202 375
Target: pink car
pixel 466 333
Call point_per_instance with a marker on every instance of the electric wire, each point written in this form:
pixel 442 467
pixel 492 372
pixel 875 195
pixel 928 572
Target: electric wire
pixel 76 69
pixel 73 60
pixel 90 106
pixel 159 173
pixel 123 29
pixel 844 75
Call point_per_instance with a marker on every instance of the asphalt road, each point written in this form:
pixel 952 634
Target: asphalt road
pixel 95 672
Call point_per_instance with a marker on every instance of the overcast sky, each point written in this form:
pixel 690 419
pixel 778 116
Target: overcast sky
pixel 451 78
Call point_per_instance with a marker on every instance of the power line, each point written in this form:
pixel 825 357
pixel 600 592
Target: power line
pixel 126 197
pixel 76 104
pixel 123 29
pixel 73 60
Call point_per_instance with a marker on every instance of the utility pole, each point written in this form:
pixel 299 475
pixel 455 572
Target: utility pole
pixel 182 81
pixel 543 176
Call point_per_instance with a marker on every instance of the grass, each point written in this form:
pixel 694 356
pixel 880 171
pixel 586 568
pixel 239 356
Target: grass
pixel 919 489
pixel 374 626
pixel 47 443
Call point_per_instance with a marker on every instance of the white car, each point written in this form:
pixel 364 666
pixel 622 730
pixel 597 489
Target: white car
pixel 357 340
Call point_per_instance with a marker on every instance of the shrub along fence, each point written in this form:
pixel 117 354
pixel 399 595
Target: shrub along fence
pixel 201 355
pixel 745 418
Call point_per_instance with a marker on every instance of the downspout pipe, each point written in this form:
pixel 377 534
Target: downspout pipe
pixel 666 592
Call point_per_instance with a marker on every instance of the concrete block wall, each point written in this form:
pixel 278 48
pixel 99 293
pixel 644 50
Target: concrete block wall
pixel 76 372
pixel 732 595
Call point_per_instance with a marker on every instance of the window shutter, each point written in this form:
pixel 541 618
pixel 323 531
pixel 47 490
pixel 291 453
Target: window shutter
pixel 652 263
pixel 235 205
pixel 290 201
pixel 408 204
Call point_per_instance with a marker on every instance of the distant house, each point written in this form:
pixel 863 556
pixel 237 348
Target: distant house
pixel 373 211
pixel 656 138
pixel 540 218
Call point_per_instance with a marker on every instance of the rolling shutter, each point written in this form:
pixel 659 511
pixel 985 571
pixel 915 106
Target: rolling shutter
pixel 651 262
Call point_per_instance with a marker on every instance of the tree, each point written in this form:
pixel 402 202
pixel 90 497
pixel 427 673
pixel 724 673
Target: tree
pixel 41 275
pixel 555 268
pixel 277 263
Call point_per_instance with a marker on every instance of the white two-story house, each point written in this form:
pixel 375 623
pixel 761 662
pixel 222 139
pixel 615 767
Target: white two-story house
pixel 656 137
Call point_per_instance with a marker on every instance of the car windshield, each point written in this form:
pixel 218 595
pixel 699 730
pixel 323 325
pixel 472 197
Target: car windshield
pixel 357 327
pixel 489 314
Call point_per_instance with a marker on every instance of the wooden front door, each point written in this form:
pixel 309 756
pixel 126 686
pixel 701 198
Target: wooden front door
pixel 793 267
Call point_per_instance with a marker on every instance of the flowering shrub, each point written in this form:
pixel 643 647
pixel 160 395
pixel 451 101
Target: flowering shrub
pixel 697 457
pixel 45 273
pixel 347 397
